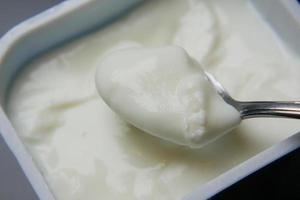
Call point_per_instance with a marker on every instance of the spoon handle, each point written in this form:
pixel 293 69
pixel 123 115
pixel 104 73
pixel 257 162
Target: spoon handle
pixel 287 109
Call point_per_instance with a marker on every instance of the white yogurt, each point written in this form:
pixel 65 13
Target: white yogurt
pixel 165 93
pixel 85 151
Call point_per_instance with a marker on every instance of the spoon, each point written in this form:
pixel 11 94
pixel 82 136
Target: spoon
pixel 285 109
pixel 164 92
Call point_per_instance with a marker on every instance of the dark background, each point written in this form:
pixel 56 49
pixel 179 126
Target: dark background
pixel 13 184
pixel 14 11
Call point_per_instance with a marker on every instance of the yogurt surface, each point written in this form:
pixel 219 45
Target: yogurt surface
pixel 86 151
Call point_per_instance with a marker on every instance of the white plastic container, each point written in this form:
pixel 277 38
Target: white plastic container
pixel 73 18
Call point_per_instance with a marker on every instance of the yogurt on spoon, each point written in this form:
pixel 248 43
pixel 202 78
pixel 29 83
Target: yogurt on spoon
pixel 164 92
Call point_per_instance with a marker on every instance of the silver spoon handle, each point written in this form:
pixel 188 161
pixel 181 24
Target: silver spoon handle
pixel 286 109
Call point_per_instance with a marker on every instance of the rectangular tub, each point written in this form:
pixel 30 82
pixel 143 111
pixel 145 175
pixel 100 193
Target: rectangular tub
pixel 73 18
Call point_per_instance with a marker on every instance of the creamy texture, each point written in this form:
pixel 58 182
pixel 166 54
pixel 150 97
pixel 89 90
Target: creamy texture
pixel 85 151
pixel 164 92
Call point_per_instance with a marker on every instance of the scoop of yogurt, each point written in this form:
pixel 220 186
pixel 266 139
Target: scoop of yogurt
pixel 164 92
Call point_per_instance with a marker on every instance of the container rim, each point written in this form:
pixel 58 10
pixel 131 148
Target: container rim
pixel 11 40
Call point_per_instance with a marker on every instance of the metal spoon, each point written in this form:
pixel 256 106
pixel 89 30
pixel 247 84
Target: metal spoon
pixel 287 109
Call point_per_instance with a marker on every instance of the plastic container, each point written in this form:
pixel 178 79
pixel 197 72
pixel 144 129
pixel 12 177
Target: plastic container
pixel 73 18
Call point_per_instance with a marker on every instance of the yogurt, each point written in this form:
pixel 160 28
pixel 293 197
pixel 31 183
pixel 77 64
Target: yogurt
pixel 164 92
pixel 86 151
